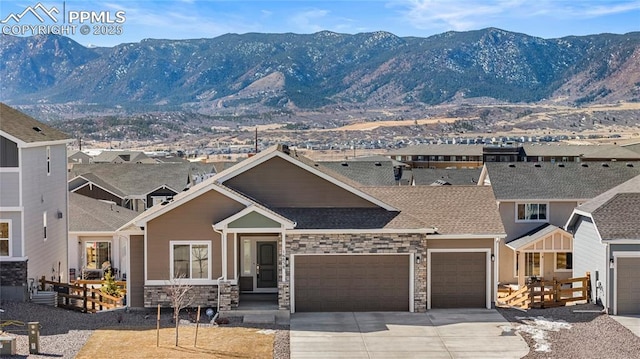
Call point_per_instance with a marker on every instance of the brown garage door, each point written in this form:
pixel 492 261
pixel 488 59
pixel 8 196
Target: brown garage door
pixel 628 285
pixel 351 283
pixel 458 280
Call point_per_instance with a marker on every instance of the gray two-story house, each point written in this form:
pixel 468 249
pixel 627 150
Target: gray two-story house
pixel 33 202
pixel 535 201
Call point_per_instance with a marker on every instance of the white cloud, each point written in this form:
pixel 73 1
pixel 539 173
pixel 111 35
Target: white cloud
pixel 464 15
pixel 306 21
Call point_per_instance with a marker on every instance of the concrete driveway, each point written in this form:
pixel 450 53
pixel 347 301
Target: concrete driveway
pixel 632 322
pixel 440 333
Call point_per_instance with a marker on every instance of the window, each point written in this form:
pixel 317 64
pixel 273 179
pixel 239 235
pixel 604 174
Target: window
pixel 532 264
pixel 48 160
pixel 44 225
pixel 4 238
pixel 441 158
pixel 190 260
pixel 564 261
pixel 96 254
pixel 531 212
pixel 463 158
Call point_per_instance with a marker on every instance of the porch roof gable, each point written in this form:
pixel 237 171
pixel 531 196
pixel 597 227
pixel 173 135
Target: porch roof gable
pixel 255 217
pixel 544 239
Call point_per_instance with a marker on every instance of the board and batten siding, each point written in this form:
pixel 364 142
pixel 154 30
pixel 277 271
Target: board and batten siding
pixel 589 255
pixel 45 193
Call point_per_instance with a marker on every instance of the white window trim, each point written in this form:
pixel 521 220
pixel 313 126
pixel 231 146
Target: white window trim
pixel 190 243
pixel 48 149
pixel 9 222
pixel 44 226
pixel 531 220
pixel 555 263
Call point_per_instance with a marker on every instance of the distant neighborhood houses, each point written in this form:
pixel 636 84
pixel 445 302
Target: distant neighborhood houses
pixel 437 226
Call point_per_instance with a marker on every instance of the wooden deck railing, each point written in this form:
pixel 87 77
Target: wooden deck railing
pixel 547 294
pixel 81 295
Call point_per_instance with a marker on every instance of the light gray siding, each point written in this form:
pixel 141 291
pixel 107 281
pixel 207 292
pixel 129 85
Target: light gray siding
pixel 558 212
pixel 16 232
pixel 613 248
pixel 45 193
pixel 9 189
pixel 589 255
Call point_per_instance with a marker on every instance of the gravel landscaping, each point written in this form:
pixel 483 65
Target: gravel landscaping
pixel 564 333
pixel 63 332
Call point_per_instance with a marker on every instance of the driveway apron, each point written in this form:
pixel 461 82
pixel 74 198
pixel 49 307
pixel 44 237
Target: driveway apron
pixel 441 333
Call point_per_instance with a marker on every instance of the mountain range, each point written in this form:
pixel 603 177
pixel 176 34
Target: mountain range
pixel 322 70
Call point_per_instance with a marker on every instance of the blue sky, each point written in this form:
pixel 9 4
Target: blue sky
pixel 185 19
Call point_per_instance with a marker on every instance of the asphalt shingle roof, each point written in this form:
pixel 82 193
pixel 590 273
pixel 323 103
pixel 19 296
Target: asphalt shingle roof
pixel 91 215
pixel 141 178
pixel 27 128
pixel 458 176
pixel 605 151
pixel 451 209
pixel 366 173
pixel 616 212
pixel 525 180
pixel 348 218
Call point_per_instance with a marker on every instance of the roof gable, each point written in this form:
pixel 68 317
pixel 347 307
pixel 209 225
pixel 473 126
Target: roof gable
pixel 255 217
pixel 25 129
pixel 279 178
pixel 544 238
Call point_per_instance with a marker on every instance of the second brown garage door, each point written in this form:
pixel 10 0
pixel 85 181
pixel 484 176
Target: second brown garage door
pixel 351 283
pixel 628 286
pixel 458 280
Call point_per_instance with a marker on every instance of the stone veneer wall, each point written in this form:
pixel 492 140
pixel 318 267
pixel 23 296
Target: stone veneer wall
pixel 365 243
pixel 284 297
pixel 229 296
pixel 13 280
pixel 205 295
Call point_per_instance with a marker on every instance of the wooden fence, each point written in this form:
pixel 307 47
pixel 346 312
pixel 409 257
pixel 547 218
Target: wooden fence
pixel 81 295
pixel 547 294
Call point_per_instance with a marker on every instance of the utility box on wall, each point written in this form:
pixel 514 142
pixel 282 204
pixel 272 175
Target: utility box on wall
pixel 7 346
pixel 34 337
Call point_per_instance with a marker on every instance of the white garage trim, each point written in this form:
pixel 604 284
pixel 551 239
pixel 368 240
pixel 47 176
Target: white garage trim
pixel 292 264
pixel 616 255
pixel 487 251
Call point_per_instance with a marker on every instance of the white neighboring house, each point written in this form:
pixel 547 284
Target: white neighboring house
pixel 93 239
pixel 33 202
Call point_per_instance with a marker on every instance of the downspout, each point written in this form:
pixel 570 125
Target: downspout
pixel 218 303
pixel 222 240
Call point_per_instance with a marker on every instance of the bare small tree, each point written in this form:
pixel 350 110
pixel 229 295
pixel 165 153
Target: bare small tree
pixel 178 294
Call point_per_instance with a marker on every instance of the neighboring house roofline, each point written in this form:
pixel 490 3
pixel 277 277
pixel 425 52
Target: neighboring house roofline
pixel 574 217
pixel 164 186
pixel 93 183
pixel 275 152
pixel 23 144
pixel 92 233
